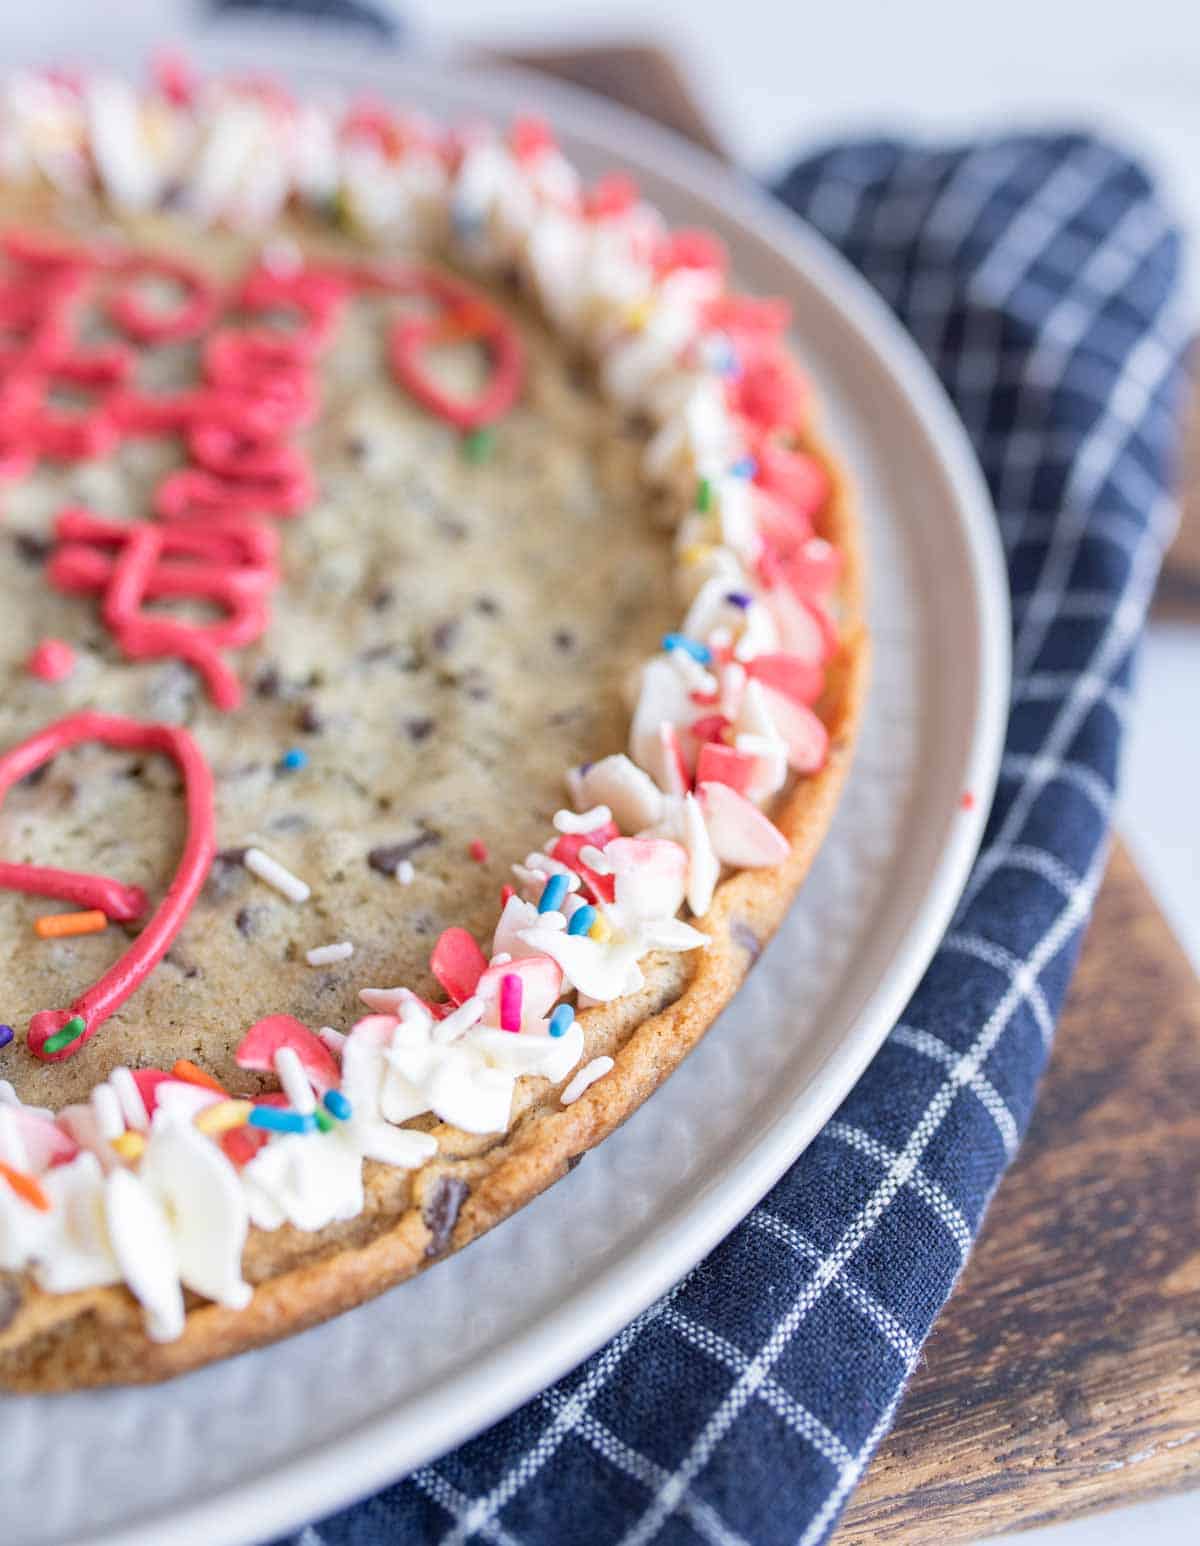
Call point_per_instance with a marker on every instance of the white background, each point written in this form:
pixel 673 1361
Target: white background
pixel 779 75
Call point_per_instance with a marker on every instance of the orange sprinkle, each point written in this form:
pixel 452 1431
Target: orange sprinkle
pixel 63 925
pixel 186 1070
pixel 26 1187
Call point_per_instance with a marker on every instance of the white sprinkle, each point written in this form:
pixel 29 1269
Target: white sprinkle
pixel 295 1081
pixel 590 855
pixel 133 1107
pixel 584 821
pixel 334 1040
pixel 271 871
pixel 538 868
pixel 552 920
pixel 325 955
pixel 460 1020
pixel 386 1000
pixel 405 873
pixel 502 959
pixel 107 1108
pixel 585 1078
pixel 543 864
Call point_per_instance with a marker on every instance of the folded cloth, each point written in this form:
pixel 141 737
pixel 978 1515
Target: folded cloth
pixel 1041 277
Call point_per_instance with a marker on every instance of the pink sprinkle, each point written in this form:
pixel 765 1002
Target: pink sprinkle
pixel 53 661
pixel 505 893
pixel 510 1002
pixel 478 850
pixel 967 802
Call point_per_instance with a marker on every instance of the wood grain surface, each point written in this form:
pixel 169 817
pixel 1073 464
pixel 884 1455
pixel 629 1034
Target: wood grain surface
pixel 1064 1374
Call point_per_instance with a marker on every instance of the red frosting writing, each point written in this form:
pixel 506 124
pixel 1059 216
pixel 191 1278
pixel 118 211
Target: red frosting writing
pixel 462 315
pixel 123 902
pixel 228 562
pixel 209 541
pixel 258 389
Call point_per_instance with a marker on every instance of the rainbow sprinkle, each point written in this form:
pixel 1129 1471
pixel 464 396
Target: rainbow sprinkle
pixel 479 444
pixel 6 1035
pixel 293 760
pixel 678 641
pixel 478 850
pixel 561 1020
pixel 552 895
pixel 511 994
pixel 224 1116
pixel 67 925
pixel 582 919
pixel 275 875
pixel 71 1031
pixel 130 1146
pixel 337 1103
pixel 273 1119
pixel 704 496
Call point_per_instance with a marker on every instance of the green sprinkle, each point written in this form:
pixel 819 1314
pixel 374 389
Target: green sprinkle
pixel 324 1120
pixel 479 444
pixel 704 496
pixel 70 1032
pixel 339 212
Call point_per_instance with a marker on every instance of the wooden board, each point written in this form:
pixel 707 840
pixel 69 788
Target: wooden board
pixel 1064 1375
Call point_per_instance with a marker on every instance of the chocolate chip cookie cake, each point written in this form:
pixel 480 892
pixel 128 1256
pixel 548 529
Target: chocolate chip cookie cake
pixel 432 651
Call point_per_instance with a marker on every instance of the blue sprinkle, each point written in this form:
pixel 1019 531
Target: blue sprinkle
pixel 560 1020
pixel 274 1119
pixel 738 598
pixel 468 223
pixel 677 641
pixel 744 467
pixel 337 1105
pixel 6 1035
pixel 726 359
pixel 585 768
pixel 292 761
pixel 553 893
pixel 581 919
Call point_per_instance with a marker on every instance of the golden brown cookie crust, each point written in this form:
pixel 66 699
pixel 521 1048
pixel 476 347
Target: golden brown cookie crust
pixel 52 1342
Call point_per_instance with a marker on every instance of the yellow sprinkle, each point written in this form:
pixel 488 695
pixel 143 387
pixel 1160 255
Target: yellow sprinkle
pixel 600 930
pixel 637 316
pixel 223 1116
pixel 129 1145
pixel 696 552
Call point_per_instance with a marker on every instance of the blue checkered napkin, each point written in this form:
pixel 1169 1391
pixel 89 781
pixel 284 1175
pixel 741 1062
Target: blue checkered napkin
pixel 1041 277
